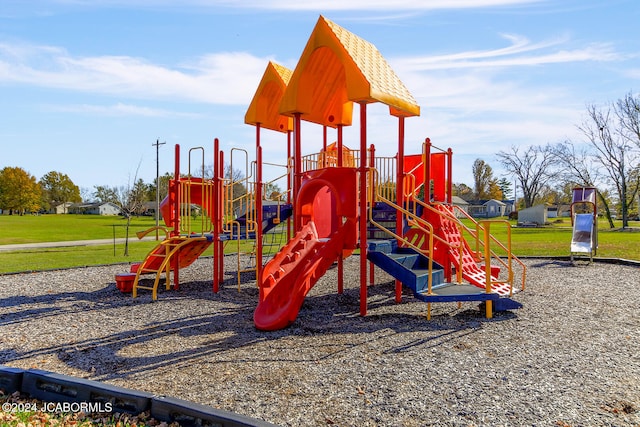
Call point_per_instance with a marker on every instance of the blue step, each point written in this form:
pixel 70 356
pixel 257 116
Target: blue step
pixel 406 265
pixel 411 268
pixel 505 304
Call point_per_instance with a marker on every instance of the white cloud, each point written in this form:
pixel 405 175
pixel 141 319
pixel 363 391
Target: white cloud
pixel 220 78
pixel 120 109
pixel 521 52
pixel 325 5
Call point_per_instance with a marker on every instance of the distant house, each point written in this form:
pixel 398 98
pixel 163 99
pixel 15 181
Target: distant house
pixel 510 206
pixel 486 208
pixel 62 208
pixel 97 208
pixel 534 215
pixel 460 203
pixel 559 211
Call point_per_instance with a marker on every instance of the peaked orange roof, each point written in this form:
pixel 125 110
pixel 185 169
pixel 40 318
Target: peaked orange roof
pixel 263 109
pixel 338 68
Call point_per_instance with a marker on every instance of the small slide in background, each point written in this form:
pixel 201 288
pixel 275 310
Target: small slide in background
pixel 582 238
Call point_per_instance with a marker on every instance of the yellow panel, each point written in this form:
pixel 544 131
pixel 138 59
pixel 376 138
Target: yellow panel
pixel 263 109
pixel 338 68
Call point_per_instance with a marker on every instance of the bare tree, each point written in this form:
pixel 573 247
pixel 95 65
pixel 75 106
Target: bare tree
pixel 610 132
pixel 577 167
pixel 533 167
pixel 628 113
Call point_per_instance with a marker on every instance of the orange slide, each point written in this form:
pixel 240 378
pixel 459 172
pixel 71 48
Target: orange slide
pixel 288 278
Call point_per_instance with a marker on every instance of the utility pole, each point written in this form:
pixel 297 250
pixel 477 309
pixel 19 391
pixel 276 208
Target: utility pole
pixel 157 145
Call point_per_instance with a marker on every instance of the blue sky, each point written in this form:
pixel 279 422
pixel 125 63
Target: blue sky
pixel 87 86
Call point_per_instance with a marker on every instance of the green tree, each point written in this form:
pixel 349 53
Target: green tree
pixel 163 187
pixel 57 188
pixel 463 191
pixel 482 178
pixel 105 194
pixel 505 187
pixel 19 191
pixel 495 191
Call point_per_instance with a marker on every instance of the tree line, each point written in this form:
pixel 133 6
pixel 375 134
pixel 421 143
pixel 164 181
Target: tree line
pixel 21 192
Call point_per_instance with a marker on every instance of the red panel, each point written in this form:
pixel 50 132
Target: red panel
pixel 438 175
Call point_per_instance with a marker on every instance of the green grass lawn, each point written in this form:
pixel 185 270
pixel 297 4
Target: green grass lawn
pixel 552 240
pixel 15 229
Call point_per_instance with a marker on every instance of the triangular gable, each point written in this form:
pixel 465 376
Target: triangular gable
pixel 338 68
pixel 263 109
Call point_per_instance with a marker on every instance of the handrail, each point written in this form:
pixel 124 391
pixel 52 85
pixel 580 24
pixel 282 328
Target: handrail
pixel 141 234
pixel 485 225
pixel 416 220
pixel 493 239
pixel 479 229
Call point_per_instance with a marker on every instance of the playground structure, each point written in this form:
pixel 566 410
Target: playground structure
pixel 393 212
pixel 584 219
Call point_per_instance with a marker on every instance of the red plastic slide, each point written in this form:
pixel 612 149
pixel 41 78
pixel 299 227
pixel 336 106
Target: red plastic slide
pixel 291 274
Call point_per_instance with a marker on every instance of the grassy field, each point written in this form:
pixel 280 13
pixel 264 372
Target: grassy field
pixel 552 240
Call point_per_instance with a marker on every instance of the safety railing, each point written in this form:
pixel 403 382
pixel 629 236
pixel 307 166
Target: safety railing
pixel 414 221
pixel 482 239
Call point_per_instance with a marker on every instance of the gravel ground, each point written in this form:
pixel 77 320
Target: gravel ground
pixel 570 357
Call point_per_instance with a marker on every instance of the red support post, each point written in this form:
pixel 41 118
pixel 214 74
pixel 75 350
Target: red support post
pixel 400 194
pixel 426 161
pixel 363 209
pixel 258 213
pixel 289 183
pixel 339 144
pixel 217 215
pixel 297 166
pixel 176 207
pixel 176 201
pixel 372 162
pixel 449 176
pixel 219 243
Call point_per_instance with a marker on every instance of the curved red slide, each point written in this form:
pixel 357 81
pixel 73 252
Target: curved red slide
pixel 291 274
